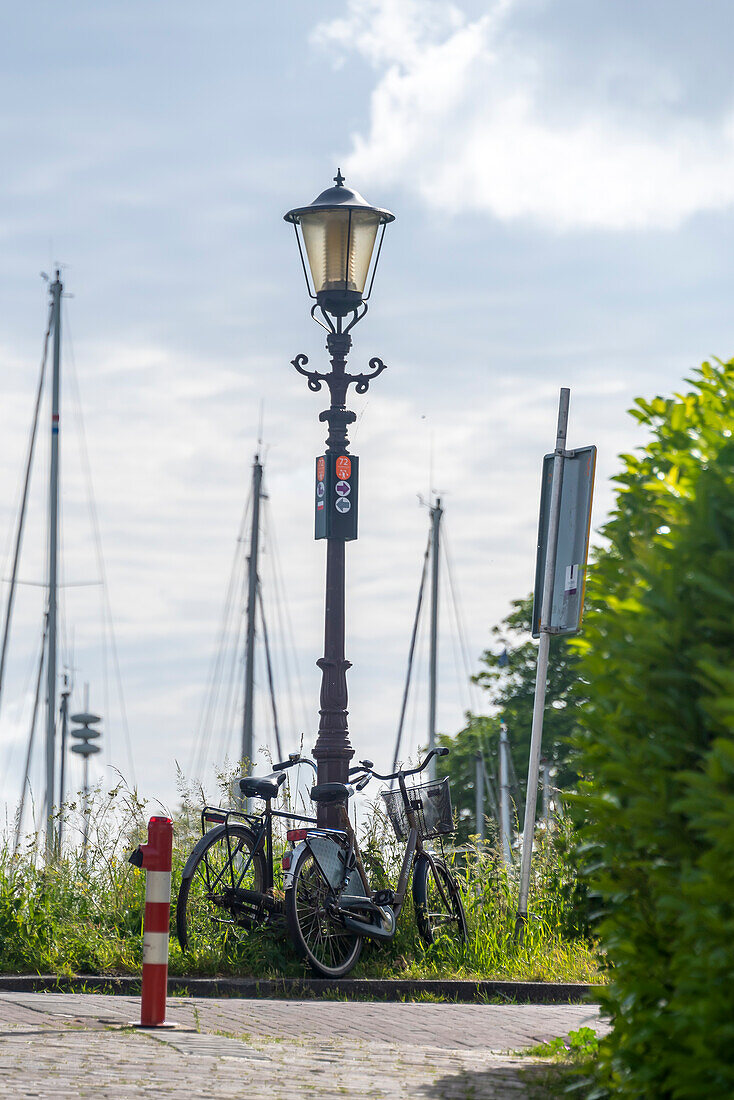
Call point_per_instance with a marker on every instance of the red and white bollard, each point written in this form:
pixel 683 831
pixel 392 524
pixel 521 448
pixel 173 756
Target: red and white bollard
pixel 155 858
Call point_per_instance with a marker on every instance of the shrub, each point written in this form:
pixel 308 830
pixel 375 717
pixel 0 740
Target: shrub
pixel 657 749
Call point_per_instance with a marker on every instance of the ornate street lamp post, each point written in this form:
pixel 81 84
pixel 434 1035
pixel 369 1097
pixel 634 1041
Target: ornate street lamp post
pixel 339 231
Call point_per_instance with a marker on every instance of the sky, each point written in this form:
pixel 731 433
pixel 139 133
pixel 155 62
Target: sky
pixel 562 175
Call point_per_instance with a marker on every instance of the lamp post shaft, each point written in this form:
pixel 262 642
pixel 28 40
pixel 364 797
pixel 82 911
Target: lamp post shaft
pixel 333 750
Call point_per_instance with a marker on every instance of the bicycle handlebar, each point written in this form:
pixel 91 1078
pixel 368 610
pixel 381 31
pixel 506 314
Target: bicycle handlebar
pixel 368 770
pixel 293 759
pixel 365 767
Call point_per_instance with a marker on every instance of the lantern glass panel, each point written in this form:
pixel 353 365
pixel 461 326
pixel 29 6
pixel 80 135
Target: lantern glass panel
pixel 339 246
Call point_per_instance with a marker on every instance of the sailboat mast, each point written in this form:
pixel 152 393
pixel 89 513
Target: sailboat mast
pixel 436 513
pixel 252 561
pixel 62 777
pixel 53 546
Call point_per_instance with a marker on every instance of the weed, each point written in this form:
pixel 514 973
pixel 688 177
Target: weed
pixel 83 913
pixel 578 1046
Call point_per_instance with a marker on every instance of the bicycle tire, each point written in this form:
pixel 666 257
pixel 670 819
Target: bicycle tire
pixel 207 915
pixel 433 916
pixel 330 950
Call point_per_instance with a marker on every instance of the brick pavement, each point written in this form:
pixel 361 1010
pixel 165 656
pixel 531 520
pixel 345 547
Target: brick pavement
pixel 64 1045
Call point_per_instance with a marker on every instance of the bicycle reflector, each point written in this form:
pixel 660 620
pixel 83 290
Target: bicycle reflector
pixel 297 834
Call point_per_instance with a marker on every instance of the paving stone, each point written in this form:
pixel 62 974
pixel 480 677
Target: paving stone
pixel 62 1045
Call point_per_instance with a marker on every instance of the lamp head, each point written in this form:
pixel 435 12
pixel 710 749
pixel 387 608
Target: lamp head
pixel 339 230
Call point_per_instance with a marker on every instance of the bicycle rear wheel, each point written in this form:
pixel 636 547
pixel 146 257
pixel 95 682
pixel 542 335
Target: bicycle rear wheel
pixel 439 910
pixel 330 950
pixel 209 915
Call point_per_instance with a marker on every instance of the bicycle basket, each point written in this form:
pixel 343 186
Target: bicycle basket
pixel 431 803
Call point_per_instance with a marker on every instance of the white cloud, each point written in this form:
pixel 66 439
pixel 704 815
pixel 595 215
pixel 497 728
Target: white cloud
pixel 465 113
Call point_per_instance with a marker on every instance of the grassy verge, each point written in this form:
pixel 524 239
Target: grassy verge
pixel 84 915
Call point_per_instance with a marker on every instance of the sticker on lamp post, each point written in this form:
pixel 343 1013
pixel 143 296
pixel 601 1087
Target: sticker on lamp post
pixel 336 492
pixel 343 467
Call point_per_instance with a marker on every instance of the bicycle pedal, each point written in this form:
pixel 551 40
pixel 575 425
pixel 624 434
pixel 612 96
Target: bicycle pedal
pixel 384 897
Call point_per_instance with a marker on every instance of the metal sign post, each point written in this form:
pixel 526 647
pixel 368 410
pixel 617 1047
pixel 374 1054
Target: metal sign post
pixel 479 795
pixel 504 822
pixel 565 511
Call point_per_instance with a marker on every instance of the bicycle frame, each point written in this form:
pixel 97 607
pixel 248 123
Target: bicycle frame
pixel 388 914
pixel 261 826
pixel 414 848
pixel 329 904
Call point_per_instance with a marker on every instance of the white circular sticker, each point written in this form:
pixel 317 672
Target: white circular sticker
pixel 320 490
pixel 343 488
pixel 343 505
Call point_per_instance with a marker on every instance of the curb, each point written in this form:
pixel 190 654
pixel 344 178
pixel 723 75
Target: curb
pixel 376 989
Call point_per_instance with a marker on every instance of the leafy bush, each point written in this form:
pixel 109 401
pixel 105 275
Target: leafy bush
pixel 658 750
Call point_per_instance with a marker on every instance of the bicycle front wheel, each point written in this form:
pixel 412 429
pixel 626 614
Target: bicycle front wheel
pixel 439 910
pixel 320 937
pixel 210 915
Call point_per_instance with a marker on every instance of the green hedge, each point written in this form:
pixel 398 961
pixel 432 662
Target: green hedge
pixel 657 751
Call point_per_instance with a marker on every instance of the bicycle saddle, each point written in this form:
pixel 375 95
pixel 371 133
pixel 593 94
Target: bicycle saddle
pixel 261 788
pixel 331 792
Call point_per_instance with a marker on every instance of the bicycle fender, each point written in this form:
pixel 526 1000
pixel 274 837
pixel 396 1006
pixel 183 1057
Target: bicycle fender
pixel 425 861
pixel 330 857
pixel 354 880
pixel 188 870
pixel 298 851
pixel 419 870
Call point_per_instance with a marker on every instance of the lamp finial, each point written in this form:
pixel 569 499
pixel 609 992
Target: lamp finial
pixel 339 178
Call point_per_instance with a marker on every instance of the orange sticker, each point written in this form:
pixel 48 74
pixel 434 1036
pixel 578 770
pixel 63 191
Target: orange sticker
pixel 343 468
pixel 320 469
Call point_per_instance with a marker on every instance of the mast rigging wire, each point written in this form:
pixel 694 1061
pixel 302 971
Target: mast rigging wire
pixel 220 708
pixel 460 622
pixel 24 501
pixel 231 709
pixel 286 622
pixel 279 655
pixel 411 653
pixel 455 648
pixel 94 519
pixel 276 730
pixel 420 677
pixel 26 772
pixel 205 725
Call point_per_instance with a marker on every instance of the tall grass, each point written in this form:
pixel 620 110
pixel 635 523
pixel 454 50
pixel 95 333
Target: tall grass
pixel 83 913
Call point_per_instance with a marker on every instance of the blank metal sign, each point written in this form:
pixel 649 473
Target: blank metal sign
pixel 574 527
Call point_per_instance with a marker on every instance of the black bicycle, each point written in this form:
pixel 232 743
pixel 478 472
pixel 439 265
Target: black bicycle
pixel 329 904
pixel 228 885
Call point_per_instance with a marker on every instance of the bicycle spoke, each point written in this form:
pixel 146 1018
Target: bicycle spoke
pixel 441 913
pixel 208 913
pixel 328 944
